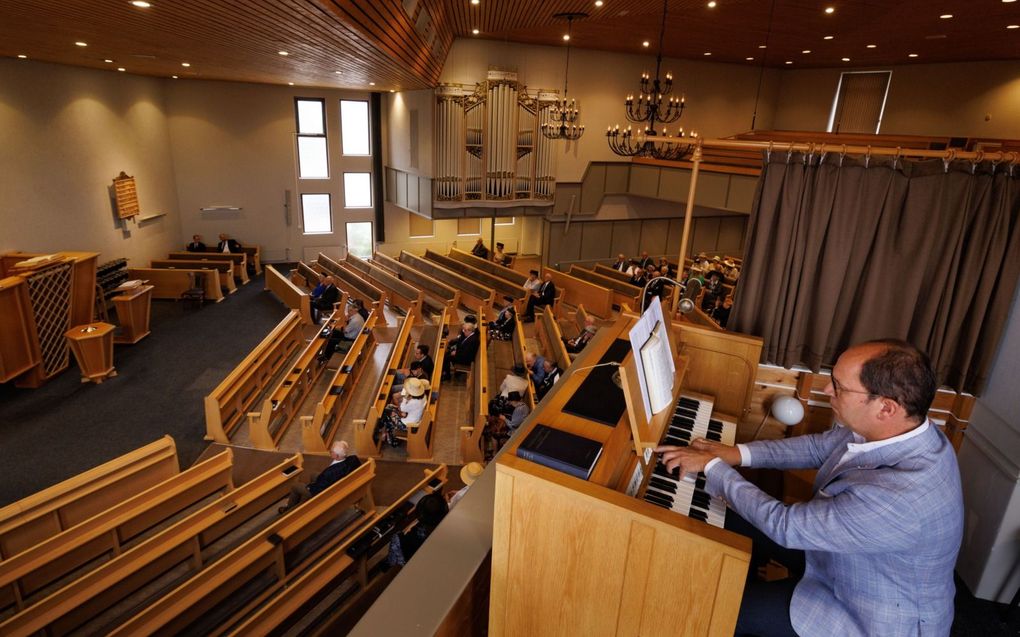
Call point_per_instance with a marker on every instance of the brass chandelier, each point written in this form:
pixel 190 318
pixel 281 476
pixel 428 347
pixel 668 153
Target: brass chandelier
pixel 654 107
pixel 563 114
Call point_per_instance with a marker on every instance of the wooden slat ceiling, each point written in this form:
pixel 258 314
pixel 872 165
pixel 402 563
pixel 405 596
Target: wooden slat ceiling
pixel 402 44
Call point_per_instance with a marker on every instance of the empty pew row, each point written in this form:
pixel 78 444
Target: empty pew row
pixel 597 298
pixel 520 349
pixel 364 429
pixel 501 271
pixel 438 295
pixel 224 270
pixel 188 544
pixel 226 406
pixel 471 438
pixel 357 563
pixel 292 296
pixel 501 286
pixel 549 335
pixel 356 286
pixel 280 407
pixel 38 517
pixel 421 439
pixel 261 567
pixel 472 293
pixel 401 294
pixel 319 429
pixel 170 284
pixel 304 276
pixel 239 262
pixel 110 532
pixel 622 292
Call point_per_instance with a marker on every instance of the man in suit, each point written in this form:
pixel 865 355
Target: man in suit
pixel 349 332
pixel 196 244
pixel 645 260
pixel 479 250
pixel 881 534
pixel 544 296
pixel 324 302
pixel 462 349
pixel 621 264
pixel 227 244
pixel 341 466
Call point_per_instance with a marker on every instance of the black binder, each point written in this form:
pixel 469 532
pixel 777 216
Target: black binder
pixel 560 450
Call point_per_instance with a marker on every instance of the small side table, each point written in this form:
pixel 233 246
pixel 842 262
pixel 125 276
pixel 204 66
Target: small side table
pixel 133 310
pixel 92 345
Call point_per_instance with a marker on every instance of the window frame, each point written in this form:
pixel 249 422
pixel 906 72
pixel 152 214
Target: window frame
pixel 329 206
pixel 298 135
pixel 371 195
pixel 371 236
pixel 368 128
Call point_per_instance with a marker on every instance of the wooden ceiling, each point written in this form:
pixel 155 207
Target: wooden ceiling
pixel 402 44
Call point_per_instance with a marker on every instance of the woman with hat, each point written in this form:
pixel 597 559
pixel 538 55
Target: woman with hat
pixel 406 409
pixel 468 474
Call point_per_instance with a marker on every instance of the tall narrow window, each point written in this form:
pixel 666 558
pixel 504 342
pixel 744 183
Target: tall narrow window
pixel 859 102
pixel 359 239
pixel 354 127
pixel 311 138
pixel 357 190
pixel 315 214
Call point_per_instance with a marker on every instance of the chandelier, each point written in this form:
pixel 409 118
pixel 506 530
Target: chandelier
pixel 654 107
pixel 563 114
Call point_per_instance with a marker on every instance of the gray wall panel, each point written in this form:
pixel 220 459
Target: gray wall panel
pixel 564 247
pixel 674 184
pixel 626 238
pixel 653 236
pixel 741 193
pixel 596 240
pixel 592 189
pixel 617 177
pixel 644 180
pixel 712 189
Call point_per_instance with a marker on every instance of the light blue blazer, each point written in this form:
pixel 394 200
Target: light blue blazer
pixel 881 533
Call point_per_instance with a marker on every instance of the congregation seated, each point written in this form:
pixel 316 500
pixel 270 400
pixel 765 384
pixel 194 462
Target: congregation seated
pixel 502 329
pixel 713 289
pixel 720 310
pixel 499 256
pixel 462 349
pixel 552 374
pixel 576 344
pixel 343 463
pixel 349 332
pixel 405 409
pixel 324 302
pixel 424 363
pixel 227 244
pixel 621 264
pixel 468 474
pixel 432 508
pixel 638 274
pixel 533 281
pixel 196 244
pixel 544 296
pixel 506 414
pixel 535 365
pixel 479 249
pixel 319 288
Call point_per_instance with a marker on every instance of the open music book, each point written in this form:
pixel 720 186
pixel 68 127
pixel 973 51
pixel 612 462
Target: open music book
pixel 654 358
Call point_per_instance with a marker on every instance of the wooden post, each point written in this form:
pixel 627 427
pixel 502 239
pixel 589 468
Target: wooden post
pixel 688 215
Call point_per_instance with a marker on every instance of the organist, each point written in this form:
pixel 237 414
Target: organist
pixel 881 534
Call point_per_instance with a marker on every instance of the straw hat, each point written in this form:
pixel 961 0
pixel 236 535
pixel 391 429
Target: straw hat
pixel 470 472
pixel 414 387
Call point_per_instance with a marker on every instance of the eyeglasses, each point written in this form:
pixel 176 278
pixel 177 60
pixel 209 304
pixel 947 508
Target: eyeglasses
pixel 838 389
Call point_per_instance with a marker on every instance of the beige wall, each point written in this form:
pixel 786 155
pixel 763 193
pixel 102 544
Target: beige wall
pixel 398 109
pixel 959 100
pixel 516 237
pixel 65 133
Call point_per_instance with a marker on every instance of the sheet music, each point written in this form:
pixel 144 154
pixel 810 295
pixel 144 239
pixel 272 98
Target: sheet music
pixel 655 368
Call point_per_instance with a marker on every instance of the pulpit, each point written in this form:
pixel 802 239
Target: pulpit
pixel 92 345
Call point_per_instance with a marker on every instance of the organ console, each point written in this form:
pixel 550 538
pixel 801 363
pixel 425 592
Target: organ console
pixel 611 555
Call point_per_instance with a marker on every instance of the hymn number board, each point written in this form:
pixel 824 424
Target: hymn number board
pixel 126 195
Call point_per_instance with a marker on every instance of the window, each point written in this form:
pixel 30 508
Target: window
pixel 357 190
pixel 359 239
pixel 419 226
pixel 311 139
pixel 469 226
pixel 354 127
pixel 504 221
pixel 315 213
pixel 859 102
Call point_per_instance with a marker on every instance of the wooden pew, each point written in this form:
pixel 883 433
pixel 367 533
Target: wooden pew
pixel 552 339
pixel 503 272
pixel 421 439
pixel 106 534
pixel 185 542
pixel 318 430
pixel 267 427
pixel 304 276
pixel 38 517
pixel 254 254
pixel 226 405
pixel 357 287
pixel 356 561
pixel 520 349
pixel 170 284
pixel 597 298
pixel 365 428
pixel 401 294
pixel 612 273
pixel 239 261
pixel 622 292
pixel 471 438
pixel 499 284
pixel 277 553
pixel 438 295
pixel 292 296
pixel 472 293
pixel 225 270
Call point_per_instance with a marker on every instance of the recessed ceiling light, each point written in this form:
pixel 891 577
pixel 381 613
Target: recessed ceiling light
pixel 290 83
pixel 108 61
pixel 392 91
pixel 1007 1
pixel 598 3
pixel 830 10
pixel 761 46
pixel 475 31
pixel 81 43
pixel 283 53
pixel 475 1
pixel 806 51
pixel 121 69
pixel 371 83
pixel 911 55
pixel 828 37
pixel 339 72
pixel 789 61
pixel 566 37
pixel 708 53
pixel 945 16
pixel 173 77
pixel 185 64
pixel 749 59
pixel 872 46
pixel 711 5
pixel 141 4
pixel 22 57
pixel 645 43
pixel 1013 26
pixel 846 59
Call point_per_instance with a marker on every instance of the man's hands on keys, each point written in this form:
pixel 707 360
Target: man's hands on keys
pixel 693 459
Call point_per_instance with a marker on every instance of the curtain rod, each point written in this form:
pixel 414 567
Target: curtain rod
pixel 948 154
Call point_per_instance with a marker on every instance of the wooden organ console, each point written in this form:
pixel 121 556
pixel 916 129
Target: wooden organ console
pixel 610 555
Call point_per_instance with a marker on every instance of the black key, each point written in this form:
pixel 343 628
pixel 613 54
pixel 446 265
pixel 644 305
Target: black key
pixel 689 403
pixel 659 498
pixel 712 435
pixel 700 500
pixel 698 515
pixel 676 442
pixel 657 502
pixel 682 421
pixel 662 485
pixel 661 470
pixel 699 484
pixel 676 432
pixel 715 425
pixel 680 411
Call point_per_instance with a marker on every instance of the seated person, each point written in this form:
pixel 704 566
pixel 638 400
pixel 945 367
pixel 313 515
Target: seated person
pixel 720 310
pixel 576 344
pixel 196 244
pixel 639 277
pixel 516 380
pixel 319 288
pixel 500 425
pixel 543 297
pixel 502 329
pixel 462 349
pixel 431 510
pixel 327 298
pixel 552 374
pixel 227 244
pixel 536 367
pixel 405 409
pixel 499 256
pixel 468 474
pixel 352 327
pixel 533 282
pixel 713 288
pixel 479 250
pixel 342 465
pixel 414 370
pixel 621 263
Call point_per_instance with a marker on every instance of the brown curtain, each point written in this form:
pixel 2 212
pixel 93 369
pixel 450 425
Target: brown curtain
pixel 842 250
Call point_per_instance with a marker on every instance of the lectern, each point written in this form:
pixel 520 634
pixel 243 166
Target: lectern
pixel 92 345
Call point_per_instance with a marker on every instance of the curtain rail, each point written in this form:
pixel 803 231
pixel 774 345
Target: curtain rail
pixel 950 154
